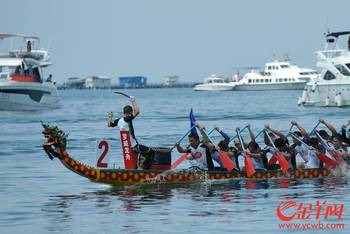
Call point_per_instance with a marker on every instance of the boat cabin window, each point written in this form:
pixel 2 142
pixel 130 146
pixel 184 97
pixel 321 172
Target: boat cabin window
pixel 343 70
pixel 348 65
pixel 249 81
pixel 284 66
pixel 329 76
pixel 36 74
pixel 10 69
pixel 269 67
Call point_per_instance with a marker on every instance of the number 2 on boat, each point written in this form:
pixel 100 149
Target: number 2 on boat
pixel 103 144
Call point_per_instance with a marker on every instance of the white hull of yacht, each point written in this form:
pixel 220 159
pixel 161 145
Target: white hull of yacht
pixel 213 87
pixel 269 86
pixel 335 95
pixel 23 96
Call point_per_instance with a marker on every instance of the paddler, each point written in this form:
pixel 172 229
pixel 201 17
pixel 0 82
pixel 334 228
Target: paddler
pixel 199 154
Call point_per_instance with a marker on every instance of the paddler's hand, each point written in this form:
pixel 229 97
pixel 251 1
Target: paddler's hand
pixel 293 122
pixel 217 128
pixel 110 115
pixel 197 124
pixel 322 121
pixel 132 99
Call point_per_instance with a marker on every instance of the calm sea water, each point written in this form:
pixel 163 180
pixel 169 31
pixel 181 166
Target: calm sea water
pixel 38 195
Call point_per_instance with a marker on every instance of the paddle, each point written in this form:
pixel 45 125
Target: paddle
pixel 211 131
pixel 259 133
pixel 247 159
pixel 123 94
pixel 338 158
pixel 241 130
pixel 182 157
pixel 171 149
pixel 224 158
pixel 312 131
pixel 280 157
pixel 328 161
pixel 179 160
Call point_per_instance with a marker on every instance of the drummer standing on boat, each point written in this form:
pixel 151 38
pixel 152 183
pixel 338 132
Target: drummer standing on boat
pixel 125 123
pixel 144 154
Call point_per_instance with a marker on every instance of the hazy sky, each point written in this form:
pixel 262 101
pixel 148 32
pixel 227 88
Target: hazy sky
pixel 156 38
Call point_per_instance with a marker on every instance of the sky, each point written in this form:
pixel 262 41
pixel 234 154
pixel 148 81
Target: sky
pixel 189 38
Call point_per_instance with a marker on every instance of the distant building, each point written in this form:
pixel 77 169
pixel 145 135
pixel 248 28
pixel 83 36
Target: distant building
pixel 132 82
pixel 171 81
pixel 97 82
pixel 74 83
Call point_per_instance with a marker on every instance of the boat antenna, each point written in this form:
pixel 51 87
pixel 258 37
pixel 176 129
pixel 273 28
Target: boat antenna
pixel 49 42
pixel 286 57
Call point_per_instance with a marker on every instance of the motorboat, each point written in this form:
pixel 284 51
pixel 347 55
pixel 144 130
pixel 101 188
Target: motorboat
pixel 22 86
pixel 214 83
pixel 332 85
pixel 277 75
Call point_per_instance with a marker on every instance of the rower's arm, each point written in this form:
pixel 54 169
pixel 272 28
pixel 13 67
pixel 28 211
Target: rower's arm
pixel 267 140
pixel 251 133
pixel 110 123
pixel 223 134
pixel 205 137
pixel 329 126
pixel 301 129
pixel 345 137
pixel 180 149
pixel 255 155
pixel 275 131
pixel 135 106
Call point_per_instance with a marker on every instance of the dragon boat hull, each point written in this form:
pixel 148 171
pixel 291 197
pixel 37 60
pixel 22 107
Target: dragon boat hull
pixel 122 177
pixel 55 147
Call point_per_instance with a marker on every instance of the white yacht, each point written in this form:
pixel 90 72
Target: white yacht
pixel 277 75
pixel 21 79
pixel 332 86
pixel 214 83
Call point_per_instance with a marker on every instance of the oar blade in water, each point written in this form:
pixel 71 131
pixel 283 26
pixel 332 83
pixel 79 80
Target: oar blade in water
pixel 249 165
pixel 282 161
pixel 226 161
pixel 328 161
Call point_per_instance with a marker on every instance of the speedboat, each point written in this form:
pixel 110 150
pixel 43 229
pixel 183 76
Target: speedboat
pixel 277 75
pixel 22 86
pixel 332 86
pixel 214 83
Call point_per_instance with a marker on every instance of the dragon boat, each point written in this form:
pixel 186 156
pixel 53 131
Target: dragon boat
pixel 55 147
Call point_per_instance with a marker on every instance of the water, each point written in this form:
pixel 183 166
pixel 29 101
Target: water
pixel 40 196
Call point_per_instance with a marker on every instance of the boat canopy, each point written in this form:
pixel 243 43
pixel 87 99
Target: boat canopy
pixel 10 62
pixel 25 37
pixel 337 34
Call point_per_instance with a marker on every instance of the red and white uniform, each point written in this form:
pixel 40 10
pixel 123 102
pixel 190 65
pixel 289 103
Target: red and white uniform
pixel 199 156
